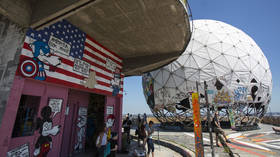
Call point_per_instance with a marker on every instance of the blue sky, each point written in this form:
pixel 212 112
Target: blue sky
pixel 260 19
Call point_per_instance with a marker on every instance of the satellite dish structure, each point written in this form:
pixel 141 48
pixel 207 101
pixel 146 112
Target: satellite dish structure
pixel 234 67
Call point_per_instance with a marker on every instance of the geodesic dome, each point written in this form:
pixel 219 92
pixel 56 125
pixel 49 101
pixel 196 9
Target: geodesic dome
pixel 234 68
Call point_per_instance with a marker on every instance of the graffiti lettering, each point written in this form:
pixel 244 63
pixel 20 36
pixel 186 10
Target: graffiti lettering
pixel 240 93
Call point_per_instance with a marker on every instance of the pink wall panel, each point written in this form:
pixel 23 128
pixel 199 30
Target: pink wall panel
pixel 10 115
pixel 116 102
pixel 35 88
pixel 64 141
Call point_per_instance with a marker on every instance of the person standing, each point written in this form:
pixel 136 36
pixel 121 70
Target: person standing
pixel 138 129
pixel 150 131
pixel 217 128
pixel 114 144
pixel 101 141
pixel 126 126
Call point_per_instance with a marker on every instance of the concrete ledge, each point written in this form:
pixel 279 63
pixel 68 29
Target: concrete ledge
pixel 174 146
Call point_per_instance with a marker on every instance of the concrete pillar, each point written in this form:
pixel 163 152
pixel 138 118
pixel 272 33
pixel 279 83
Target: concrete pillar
pixel 11 41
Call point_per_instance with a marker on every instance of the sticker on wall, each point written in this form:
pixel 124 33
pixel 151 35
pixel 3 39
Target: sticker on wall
pixel 82 111
pixel 67 110
pixel 110 110
pixel 90 82
pixel 59 46
pixel 44 142
pixel 116 81
pixel 21 151
pixel 110 64
pixel 82 121
pixel 55 105
pixel 81 66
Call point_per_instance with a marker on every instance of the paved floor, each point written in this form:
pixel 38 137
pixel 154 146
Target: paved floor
pixel 160 151
pixel 257 143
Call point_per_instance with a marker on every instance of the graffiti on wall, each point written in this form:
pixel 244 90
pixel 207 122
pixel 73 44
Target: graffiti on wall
pixel 116 82
pixel 148 84
pixel 231 117
pixel 21 151
pixel 81 124
pixel 55 104
pixel 240 94
pixel 46 129
pixel 42 60
pixel 222 97
pixel 199 151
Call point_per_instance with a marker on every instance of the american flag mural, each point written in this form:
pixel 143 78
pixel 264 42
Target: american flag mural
pixel 63 54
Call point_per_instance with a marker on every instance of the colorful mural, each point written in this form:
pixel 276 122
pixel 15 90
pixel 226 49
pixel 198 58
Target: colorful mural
pixel 148 86
pixel 82 121
pixel 44 142
pixel 199 150
pixel 63 54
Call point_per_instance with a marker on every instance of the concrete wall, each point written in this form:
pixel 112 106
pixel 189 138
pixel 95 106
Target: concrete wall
pixel 11 40
pixel 273 120
pixel 19 11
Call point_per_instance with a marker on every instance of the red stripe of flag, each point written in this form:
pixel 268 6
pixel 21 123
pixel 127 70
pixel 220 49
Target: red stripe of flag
pixel 97 65
pixel 113 53
pixel 102 53
pixel 73 85
pixel 71 63
pixel 94 56
pixel 26 46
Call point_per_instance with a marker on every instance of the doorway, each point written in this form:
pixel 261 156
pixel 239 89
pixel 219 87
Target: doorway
pixel 95 119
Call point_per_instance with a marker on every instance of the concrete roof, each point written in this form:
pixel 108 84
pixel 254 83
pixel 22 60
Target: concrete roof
pixel 147 34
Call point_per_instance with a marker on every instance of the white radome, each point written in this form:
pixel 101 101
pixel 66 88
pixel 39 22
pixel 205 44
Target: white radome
pixel 219 54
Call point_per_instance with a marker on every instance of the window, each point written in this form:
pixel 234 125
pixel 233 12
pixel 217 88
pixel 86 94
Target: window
pixel 26 116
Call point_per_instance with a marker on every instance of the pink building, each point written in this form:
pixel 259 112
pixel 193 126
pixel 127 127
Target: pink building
pixel 65 87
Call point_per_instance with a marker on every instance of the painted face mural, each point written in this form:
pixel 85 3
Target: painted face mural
pixel 44 142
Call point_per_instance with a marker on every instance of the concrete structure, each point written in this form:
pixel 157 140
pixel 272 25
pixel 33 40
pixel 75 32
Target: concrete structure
pixel 146 34
pixel 232 65
pixel 11 38
pixel 65 84
pixel 46 74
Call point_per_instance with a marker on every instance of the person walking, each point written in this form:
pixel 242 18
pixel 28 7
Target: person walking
pixel 150 131
pixel 101 141
pixel 217 128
